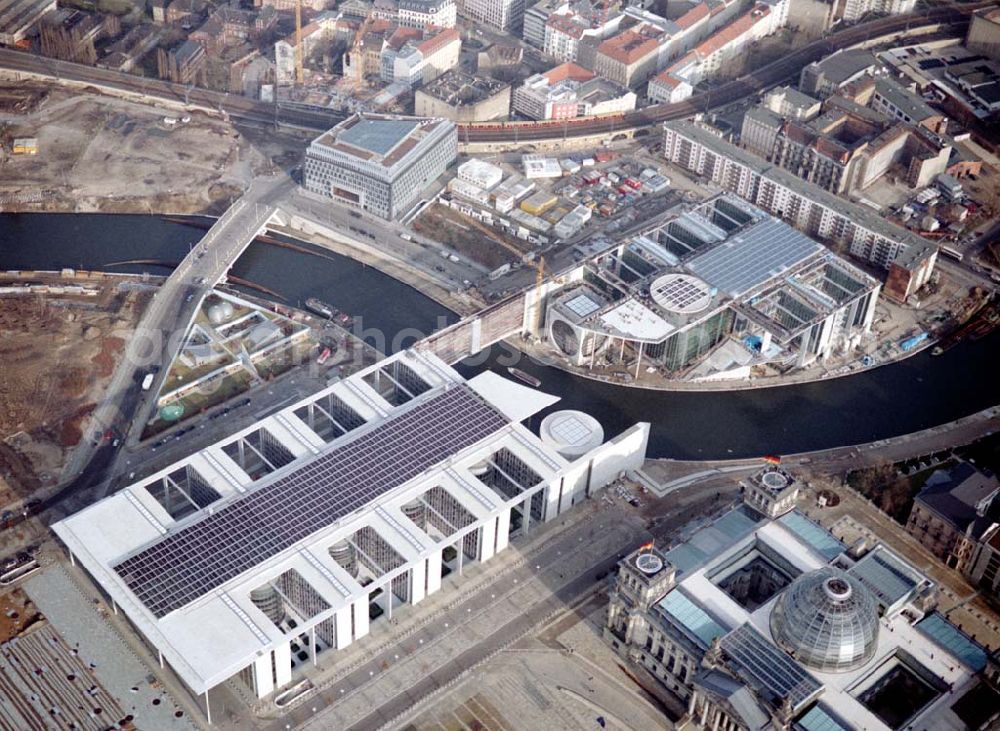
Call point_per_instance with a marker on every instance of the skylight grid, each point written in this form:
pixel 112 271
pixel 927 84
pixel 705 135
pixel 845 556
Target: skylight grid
pixel 753 257
pixel 582 305
pixel 767 668
pixel 200 557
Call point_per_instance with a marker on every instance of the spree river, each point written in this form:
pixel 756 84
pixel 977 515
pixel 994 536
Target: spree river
pixel 895 399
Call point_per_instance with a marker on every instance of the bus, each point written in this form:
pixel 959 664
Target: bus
pixel 952 253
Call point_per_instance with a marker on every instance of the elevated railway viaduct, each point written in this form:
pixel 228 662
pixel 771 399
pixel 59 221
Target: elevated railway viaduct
pixel 20 64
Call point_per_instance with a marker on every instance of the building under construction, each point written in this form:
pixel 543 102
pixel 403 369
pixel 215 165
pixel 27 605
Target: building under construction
pixel 709 294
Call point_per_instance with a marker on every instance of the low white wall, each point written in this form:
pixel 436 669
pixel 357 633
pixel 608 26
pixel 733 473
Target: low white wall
pixel 597 468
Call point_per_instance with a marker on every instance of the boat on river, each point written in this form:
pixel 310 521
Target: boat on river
pixel 321 308
pixel 524 377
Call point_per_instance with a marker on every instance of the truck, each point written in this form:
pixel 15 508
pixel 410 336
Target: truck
pixel 147 382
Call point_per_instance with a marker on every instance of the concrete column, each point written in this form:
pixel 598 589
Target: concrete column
pixel 312 640
pixel 487 538
pixel 387 593
pixel 263 677
pixel 503 529
pixel 693 703
pixel 417 578
pixel 159 654
pixel 715 719
pixel 461 554
pixel 72 559
pixel 114 606
pixel 434 572
pixel 360 609
pixel 343 623
pixel 283 664
pixel 527 516
pixel 208 709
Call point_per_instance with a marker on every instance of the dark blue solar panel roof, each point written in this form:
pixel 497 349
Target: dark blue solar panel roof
pixel 753 256
pixel 201 556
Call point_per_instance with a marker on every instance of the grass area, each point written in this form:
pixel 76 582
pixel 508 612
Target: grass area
pixel 203 398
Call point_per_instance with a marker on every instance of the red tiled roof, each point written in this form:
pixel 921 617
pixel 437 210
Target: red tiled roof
pixel 569 71
pixel 436 43
pixel 692 16
pixel 731 32
pixel 566 25
pixel 628 47
pixel 401 35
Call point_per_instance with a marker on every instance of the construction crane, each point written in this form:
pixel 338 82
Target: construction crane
pixel 539 266
pixel 299 70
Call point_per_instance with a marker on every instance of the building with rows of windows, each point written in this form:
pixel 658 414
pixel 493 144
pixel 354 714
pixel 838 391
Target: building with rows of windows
pixel 380 163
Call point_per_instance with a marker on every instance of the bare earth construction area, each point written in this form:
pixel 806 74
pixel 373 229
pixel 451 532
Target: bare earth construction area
pixel 96 153
pixel 60 340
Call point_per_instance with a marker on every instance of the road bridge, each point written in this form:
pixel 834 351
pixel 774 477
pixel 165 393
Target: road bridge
pixel 173 309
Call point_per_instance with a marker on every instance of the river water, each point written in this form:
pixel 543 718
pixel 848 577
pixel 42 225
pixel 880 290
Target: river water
pixel 895 399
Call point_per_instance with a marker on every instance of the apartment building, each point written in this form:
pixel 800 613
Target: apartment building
pixel 424 13
pixel 953 511
pixel 909 258
pixel 414 57
pixel 184 64
pixel 570 91
pixel 853 10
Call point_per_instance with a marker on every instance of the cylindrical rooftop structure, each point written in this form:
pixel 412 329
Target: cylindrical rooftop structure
pixel 571 433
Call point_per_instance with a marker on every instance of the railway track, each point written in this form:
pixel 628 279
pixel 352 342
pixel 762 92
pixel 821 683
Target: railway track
pixel 250 110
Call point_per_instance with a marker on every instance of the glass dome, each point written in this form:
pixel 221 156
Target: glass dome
pixel 827 620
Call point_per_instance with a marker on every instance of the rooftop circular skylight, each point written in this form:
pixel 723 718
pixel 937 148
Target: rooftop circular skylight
pixel 681 293
pixel 648 563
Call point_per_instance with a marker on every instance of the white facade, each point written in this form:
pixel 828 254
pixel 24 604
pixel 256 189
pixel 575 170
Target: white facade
pixel 480 173
pixel 364 162
pixel 455 508
pixel 422 13
pixel 504 15
pixel 855 9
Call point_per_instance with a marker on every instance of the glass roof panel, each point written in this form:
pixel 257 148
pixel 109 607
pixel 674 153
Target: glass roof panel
pixel 753 257
pixel 769 670
pixel 378 136
pixel 953 640
pixel 819 719
pixel 813 534
pixel 692 617
pixel 885 576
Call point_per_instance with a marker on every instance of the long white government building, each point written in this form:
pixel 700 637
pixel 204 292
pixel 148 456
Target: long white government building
pixel 300 531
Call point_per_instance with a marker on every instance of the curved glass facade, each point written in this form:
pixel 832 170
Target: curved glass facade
pixel 827 620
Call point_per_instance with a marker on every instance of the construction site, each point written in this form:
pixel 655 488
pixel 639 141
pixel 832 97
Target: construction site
pixel 95 153
pixel 61 336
